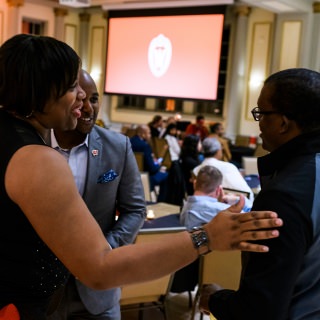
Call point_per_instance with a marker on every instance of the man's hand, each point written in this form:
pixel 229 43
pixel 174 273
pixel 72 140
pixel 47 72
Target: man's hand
pixel 231 230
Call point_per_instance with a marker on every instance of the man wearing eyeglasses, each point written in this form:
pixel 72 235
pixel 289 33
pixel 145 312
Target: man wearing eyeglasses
pixel 285 283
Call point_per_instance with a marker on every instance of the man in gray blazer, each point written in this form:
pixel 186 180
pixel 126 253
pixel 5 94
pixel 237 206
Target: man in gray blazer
pixel 108 179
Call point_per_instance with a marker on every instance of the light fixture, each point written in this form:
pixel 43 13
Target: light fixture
pixel 281 6
pixel 134 4
pixel 75 3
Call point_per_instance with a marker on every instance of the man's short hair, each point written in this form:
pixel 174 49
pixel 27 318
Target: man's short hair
pixel 295 92
pixel 209 178
pixel 210 146
pixel 215 126
pixel 199 117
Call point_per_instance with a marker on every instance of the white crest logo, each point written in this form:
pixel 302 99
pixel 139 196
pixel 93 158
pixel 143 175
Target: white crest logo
pixel 159 55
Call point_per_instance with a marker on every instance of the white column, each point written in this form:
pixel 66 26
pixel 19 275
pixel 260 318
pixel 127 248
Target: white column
pixel 236 88
pixel 315 44
pixel 59 23
pixel 14 21
pixel 84 40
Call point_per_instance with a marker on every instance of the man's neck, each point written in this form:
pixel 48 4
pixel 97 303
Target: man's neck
pixel 201 193
pixel 69 139
pixel 212 157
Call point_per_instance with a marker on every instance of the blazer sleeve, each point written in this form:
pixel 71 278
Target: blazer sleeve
pixel 130 203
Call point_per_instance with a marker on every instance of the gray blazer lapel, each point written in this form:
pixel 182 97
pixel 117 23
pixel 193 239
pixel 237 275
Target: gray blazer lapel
pixel 95 159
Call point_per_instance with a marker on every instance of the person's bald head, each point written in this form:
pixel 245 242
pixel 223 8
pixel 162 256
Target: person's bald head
pixel 143 131
pixel 90 109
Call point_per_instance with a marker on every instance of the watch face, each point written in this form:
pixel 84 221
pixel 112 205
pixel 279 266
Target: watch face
pixel 199 238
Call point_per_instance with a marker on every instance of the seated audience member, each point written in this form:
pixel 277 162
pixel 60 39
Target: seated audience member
pixel 171 119
pixel 208 199
pixel 156 126
pixel 158 177
pixel 173 143
pixel 198 128
pixel 217 131
pixel 166 123
pixel 231 176
pixel 189 159
pixel 176 185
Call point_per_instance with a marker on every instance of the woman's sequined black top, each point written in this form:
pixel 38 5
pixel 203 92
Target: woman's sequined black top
pixel 29 271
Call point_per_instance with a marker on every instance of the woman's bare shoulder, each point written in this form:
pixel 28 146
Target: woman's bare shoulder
pixel 32 167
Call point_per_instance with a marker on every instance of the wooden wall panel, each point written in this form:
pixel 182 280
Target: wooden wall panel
pixel 290 44
pixel 70 35
pixel 258 64
pixel 97 56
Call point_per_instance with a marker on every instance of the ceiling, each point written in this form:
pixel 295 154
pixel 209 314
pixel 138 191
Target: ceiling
pixel 277 6
pixel 282 6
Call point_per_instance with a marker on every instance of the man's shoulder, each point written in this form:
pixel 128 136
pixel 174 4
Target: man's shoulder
pixel 104 132
pixel 212 162
pixel 135 140
pixel 107 136
pixel 230 166
pixel 190 127
pixel 218 163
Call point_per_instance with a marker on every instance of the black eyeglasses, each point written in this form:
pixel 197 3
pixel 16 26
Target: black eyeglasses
pixel 257 114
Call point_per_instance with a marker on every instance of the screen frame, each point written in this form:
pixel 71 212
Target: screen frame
pixel 181 11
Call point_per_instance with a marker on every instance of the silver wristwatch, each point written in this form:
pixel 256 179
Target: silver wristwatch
pixel 200 240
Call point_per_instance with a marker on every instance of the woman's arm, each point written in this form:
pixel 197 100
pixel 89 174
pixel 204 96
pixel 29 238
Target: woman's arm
pixel 40 181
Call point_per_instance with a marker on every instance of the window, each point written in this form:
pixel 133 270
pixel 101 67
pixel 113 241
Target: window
pixel 33 27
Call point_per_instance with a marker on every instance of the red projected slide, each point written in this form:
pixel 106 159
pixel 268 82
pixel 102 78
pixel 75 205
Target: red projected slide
pixel 164 56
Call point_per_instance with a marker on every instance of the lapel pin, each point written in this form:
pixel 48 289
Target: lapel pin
pixel 95 152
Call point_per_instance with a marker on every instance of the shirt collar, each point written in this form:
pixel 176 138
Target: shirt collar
pixel 307 143
pixel 55 145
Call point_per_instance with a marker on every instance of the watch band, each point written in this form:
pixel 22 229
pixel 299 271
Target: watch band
pixel 200 240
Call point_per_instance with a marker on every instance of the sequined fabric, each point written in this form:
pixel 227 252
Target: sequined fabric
pixel 29 271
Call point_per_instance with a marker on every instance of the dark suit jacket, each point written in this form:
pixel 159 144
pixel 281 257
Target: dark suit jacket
pixel 140 145
pixel 109 150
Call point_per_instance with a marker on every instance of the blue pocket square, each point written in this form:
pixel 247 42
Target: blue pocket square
pixel 107 176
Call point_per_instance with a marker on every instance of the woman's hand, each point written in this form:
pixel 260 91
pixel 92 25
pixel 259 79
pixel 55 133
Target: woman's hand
pixel 231 230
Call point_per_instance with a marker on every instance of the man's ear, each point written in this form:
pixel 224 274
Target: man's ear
pixel 285 124
pixel 194 181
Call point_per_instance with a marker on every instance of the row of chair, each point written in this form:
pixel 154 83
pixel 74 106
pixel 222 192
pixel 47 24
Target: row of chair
pixel 223 268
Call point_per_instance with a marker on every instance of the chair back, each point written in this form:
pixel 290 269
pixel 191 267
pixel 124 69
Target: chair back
pixel 250 165
pixel 140 160
pixel 259 152
pixel 222 268
pixel 129 132
pixel 153 292
pixel 219 267
pixel 145 292
pixel 146 186
pixel 242 141
pixel 161 150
